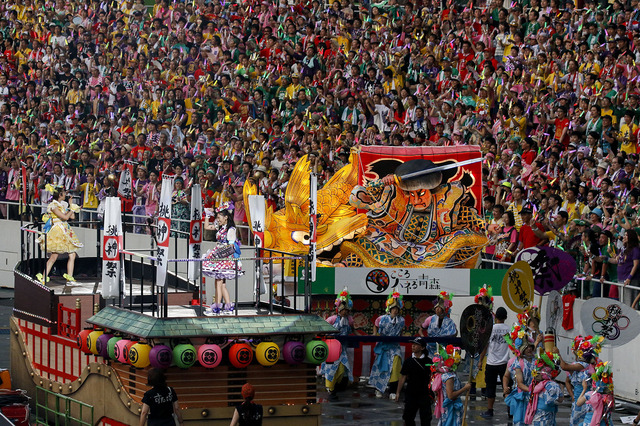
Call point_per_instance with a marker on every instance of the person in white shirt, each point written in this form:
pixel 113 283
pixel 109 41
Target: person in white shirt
pixel 497 353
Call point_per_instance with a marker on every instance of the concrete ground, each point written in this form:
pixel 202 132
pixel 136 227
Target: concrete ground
pixel 357 405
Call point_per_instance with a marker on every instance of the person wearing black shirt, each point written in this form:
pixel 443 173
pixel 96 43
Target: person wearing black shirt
pixel 160 403
pixel 248 413
pixel 416 372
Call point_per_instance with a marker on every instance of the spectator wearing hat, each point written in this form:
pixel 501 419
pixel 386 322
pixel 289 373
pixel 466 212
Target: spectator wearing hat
pixel 248 413
pixel 416 373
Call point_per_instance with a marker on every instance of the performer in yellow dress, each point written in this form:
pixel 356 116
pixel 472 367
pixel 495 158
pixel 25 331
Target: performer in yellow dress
pixel 59 236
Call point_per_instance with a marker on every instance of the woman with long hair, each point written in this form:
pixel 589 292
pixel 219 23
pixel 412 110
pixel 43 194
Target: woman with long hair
pixel 221 265
pixel 59 238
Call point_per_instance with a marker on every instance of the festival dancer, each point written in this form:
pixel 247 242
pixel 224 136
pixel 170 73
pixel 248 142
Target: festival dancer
pixel 600 401
pixel 59 237
pixel 388 362
pixel 586 351
pixel 519 368
pixel 343 322
pixel 484 298
pixel 440 324
pixel 546 394
pixel 222 266
pixel 446 386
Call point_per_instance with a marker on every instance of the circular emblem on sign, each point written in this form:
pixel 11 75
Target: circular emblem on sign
pixel 163 230
pixel 243 356
pixel 165 356
pixel 209 357
pixel 133 356
pixel 116 351
pixel 110 248
pixel 272 354
pixel 188 356
pixel 298 353
pixel 195 231
pixel 320 352
pixel 377 281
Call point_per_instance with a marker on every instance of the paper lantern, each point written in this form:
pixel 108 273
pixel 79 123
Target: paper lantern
pixel 102 345
pixel 122 351
pixel 335 348
pixel 161 356
pixel 209 356
pixel 184 355
pixel 317 352
pixel 111 347
pixel 267 353
pixel 83 341
pixel 92 341
pixel 293 352
pixel 139 355
pixel 240 355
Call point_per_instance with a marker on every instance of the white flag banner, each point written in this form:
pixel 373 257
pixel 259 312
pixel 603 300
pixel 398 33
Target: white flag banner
pixel 125 185
pixel 313 222
pixel 164 229
pixel 257 212
pixel 195 233
pixel 112 274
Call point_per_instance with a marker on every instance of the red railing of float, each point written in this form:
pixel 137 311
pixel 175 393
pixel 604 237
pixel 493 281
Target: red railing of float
pixel 45 349
pixel 69 326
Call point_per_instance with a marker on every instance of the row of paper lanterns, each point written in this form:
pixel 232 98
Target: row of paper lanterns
pixel 185 355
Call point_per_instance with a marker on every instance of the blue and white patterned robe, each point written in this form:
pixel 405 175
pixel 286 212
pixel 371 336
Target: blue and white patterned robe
pixel 329 370
pixel 606 420
pixel 517 400
pixel 448 328
pixel 452 409
pixel 576 377
pixel 385 351
pixel 547 405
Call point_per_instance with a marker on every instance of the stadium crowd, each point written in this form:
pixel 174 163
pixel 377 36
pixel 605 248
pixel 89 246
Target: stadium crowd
pixel 216 92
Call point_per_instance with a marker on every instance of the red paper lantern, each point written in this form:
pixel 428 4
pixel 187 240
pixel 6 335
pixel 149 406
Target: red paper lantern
pixel 83 342
pixel 335 348
pixel 240 355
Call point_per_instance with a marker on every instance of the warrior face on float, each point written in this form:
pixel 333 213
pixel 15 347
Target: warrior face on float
pixel 418 188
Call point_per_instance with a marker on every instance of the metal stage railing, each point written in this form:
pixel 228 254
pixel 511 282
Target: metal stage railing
pixel 140 264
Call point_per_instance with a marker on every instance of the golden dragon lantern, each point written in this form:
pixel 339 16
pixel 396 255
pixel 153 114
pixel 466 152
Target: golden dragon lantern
pixel 385 210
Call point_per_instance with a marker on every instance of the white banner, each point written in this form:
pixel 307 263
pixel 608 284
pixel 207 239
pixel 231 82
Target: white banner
pixel 257 213
pixel 313 222
pixel 408 281
pixel 195 233
pixel 125 185
pixel 111 246
pixel 164 229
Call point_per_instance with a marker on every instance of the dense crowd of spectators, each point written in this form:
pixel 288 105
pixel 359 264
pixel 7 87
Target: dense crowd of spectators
pixel 218 92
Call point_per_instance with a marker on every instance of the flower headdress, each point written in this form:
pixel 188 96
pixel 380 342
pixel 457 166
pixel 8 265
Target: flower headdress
pixel 394 300
pixel 546 366
pixel 603 378
pixel 445 300
pixel 530 312
pixel 587 348
pixel 485 297
pixel 518 339
pixel 343 298
pixel 447 358
pixel 227 205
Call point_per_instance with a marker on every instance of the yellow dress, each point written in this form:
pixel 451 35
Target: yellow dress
pixel 60 238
